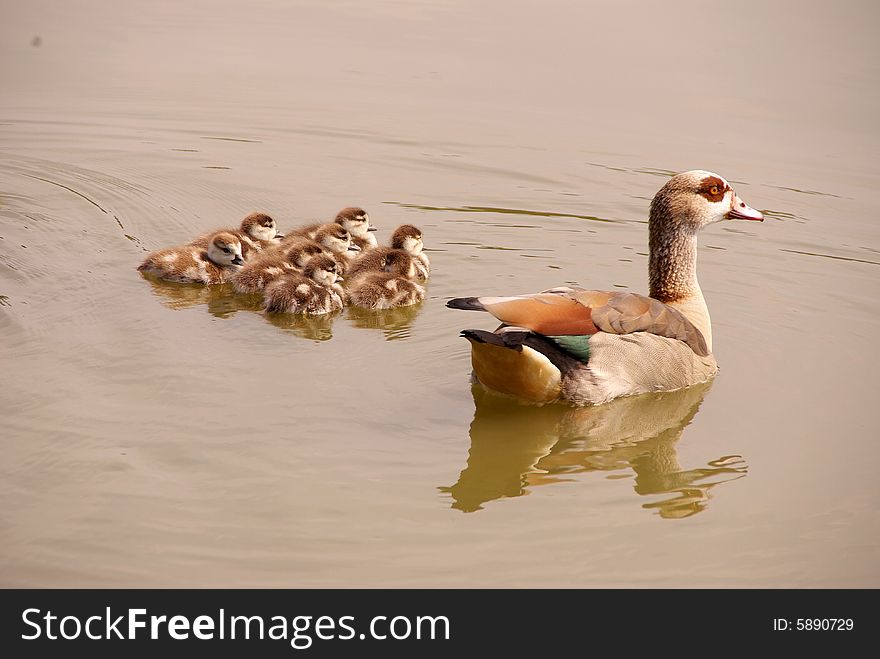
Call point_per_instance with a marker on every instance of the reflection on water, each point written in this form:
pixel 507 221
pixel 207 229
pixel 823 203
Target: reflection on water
pixel 223 302
pixel 185 296
pixel 394 323
pixel 504 211
pixel 220 300
pixel 515 447
pixel 306 326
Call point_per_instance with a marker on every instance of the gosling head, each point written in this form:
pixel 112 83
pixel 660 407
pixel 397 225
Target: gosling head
pixel 336 239
pixel 260 226
pixel 694 199
pixel 408 238
pixel 225 249
pixel 323 270
pixel 355 220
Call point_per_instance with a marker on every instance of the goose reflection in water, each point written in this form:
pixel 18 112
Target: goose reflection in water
pixel 516 447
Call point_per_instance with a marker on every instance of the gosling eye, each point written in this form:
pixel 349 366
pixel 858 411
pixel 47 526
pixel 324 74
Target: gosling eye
pixel 227 250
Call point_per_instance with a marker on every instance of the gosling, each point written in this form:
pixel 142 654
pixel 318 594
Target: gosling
pixel 354 220
pixel 409 238
pixel 257 232
pixel 336 240
pixel 316 291
pixel 406 238
pixel 390 288
pixel 215 264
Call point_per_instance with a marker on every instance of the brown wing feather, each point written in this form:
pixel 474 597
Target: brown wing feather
pixel 544 313
pixel 624 313
pixel 568 311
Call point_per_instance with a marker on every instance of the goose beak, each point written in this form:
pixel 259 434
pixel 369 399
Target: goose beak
pixel 740 210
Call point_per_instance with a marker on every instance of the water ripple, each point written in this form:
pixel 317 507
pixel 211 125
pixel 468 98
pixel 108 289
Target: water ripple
pixel 501 210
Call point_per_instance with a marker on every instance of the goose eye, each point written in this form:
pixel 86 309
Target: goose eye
pixel 714 190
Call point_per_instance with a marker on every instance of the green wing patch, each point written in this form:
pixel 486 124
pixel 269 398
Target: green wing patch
pixel 578 346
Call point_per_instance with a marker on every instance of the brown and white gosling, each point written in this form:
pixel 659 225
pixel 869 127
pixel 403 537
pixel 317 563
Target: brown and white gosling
pixel 336 240
pixel 257 232
pixel 354 220
pixel 390 288
pixel 214 264
pixel 316 291
pixel 357 222
pixel 409 238
pixel 406 238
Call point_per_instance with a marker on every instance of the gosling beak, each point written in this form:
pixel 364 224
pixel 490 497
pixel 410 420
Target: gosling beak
pixel 237 260
pixel 740 210
pixel 353 248
pixel 339 279
pixel 279 236
pixel 372 229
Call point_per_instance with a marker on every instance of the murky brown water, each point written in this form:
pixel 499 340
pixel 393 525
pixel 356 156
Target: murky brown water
pixel 168 435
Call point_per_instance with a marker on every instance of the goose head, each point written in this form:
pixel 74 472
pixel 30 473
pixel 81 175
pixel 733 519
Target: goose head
pixel 408 238
pixel 335 238
pixel 692 200
pixel 323 270
pixel 684 205
pixel 355 220
pixel 225 249
pixel 260 226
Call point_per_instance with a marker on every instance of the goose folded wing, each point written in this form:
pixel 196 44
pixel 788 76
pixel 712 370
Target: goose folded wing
pixel 570 311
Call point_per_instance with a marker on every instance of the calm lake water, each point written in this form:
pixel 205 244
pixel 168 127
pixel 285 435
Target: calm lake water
pixel 164 435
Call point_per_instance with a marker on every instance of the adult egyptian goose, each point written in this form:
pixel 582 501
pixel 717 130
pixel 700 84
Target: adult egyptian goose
pixel 256 233
pixel 588 347
pixel 215 264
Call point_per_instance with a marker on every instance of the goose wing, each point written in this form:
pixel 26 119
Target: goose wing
pixel 578 312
